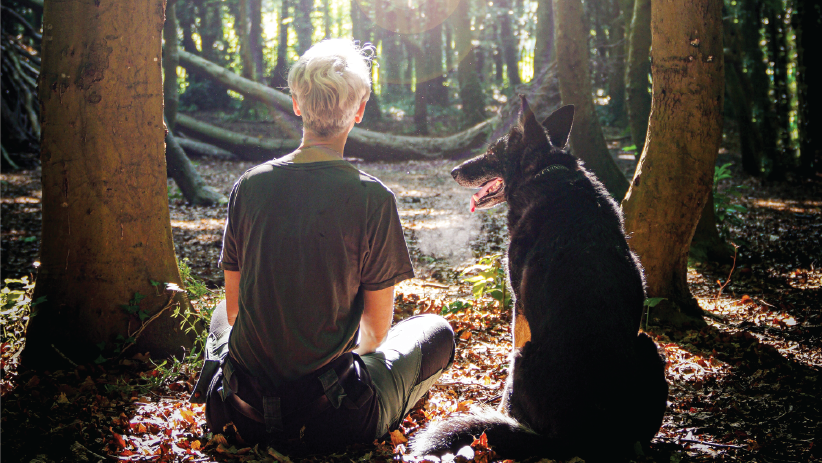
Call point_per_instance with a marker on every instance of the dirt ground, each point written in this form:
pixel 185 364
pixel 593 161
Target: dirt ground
pixel 745 388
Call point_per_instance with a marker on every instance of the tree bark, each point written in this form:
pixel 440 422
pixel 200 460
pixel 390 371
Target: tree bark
pixel 279 76
pixel 587 140
pixel 194 189
pixel 242 26
pixel 255 37
pixel 618 55
pixel 781 159
pixel 302 25
pixel 738 89
pixel 544 46
pixel 707 245
pixel 510 48
pixel 637 98
pixel 106 225
pixel 808 21
pixel 171 59
pixel 470 91
pixel 672 183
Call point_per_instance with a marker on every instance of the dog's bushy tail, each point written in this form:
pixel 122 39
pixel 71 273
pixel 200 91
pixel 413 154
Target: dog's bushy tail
pixel 506 436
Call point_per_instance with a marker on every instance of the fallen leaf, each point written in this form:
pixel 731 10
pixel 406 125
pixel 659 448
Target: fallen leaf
pixel 397 438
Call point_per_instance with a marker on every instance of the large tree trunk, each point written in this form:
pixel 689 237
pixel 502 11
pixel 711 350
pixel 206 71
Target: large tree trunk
pixel 171 60
pixel 106 225
pixel 587 140
pixel 675 173
pixel 707 244
pixel 194 189
pixel 637 69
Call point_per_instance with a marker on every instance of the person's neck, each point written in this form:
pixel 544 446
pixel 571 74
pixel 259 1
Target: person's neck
pixel 317 149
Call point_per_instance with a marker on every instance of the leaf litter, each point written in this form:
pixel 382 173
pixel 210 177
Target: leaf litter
pixel 744 388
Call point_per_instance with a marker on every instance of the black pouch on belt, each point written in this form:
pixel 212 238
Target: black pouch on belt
pixel 332 406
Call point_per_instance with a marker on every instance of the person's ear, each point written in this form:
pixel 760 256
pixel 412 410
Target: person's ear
pixel 360 112
pixel 296 106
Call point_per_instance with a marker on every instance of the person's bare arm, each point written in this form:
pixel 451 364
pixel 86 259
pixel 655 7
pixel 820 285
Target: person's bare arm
pixel 376 319
pixel 232 295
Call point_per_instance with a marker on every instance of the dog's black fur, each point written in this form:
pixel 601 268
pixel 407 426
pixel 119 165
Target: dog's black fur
pixel 587 383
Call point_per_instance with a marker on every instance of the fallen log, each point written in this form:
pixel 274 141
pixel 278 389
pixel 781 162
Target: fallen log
pixel 245 147
pixel 364 144
pixel 191 184
pixel 194 148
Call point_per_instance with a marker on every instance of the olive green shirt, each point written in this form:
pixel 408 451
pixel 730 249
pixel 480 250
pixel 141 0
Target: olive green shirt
pixel 307 239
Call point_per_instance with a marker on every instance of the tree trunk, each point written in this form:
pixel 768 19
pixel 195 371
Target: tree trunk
pixel 637 98
pixel 470 91
pixel 510 48
pixel 618 55
pixel 738 90
pixel 672 183
pixel 778 50
pixel 762 109
pixel 808 20
pixel 327 18
pixel 587 140
pixel 106 225
pixel 707 245
pixel 544 46
pixel 194 189
pixel 255 37
pixel 185 17
pixel 211 31
pixel 279 76
pixel 171 59
pixel 303 26
pixel 242 26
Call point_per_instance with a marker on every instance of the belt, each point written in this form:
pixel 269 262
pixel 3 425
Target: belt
pixel 272 417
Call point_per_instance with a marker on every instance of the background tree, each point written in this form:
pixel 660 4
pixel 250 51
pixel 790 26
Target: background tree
pixel 807 20
pixel 106 227
pixel 675 173
pixel 470 90
pixel 587 140
pixel 637 69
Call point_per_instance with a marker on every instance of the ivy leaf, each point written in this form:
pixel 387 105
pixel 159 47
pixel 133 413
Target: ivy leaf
pixel 100 359
pixel 101 345
pixel 653 301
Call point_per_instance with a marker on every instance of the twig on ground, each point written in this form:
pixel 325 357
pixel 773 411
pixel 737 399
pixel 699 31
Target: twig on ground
pixel 712 444
pixel 63 356
pixel 727 280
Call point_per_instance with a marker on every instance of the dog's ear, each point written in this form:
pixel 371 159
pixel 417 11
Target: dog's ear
pixel 558 125
pixel 532 133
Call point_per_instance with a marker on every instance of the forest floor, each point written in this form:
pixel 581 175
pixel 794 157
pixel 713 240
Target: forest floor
pixel 745 388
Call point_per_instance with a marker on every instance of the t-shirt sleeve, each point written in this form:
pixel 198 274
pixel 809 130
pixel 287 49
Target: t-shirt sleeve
pixel 229 258
pixel 387 262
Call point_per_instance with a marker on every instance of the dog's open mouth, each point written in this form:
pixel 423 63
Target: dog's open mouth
pixel 487 191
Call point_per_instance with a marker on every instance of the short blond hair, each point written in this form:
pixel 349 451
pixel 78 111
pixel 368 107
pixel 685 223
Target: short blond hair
pixel 330 81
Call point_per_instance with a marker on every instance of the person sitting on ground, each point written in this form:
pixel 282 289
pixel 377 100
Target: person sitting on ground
pixel 312 250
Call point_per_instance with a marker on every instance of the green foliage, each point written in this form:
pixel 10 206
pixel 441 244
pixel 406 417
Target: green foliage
pixel 651 302
pixel 15 310
pixel 195 288
pixel 456 306
pixel 725 211
pixel 196 317
pixel 490 280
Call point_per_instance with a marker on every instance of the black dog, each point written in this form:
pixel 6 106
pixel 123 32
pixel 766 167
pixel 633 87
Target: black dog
pixel 582 380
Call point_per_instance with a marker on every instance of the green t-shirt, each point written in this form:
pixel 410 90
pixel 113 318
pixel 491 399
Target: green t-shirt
pixel 307 240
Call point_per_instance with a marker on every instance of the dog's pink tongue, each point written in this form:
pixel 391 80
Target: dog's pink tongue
pixel 482 192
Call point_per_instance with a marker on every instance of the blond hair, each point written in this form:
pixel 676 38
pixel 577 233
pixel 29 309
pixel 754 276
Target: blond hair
pixel 330 81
